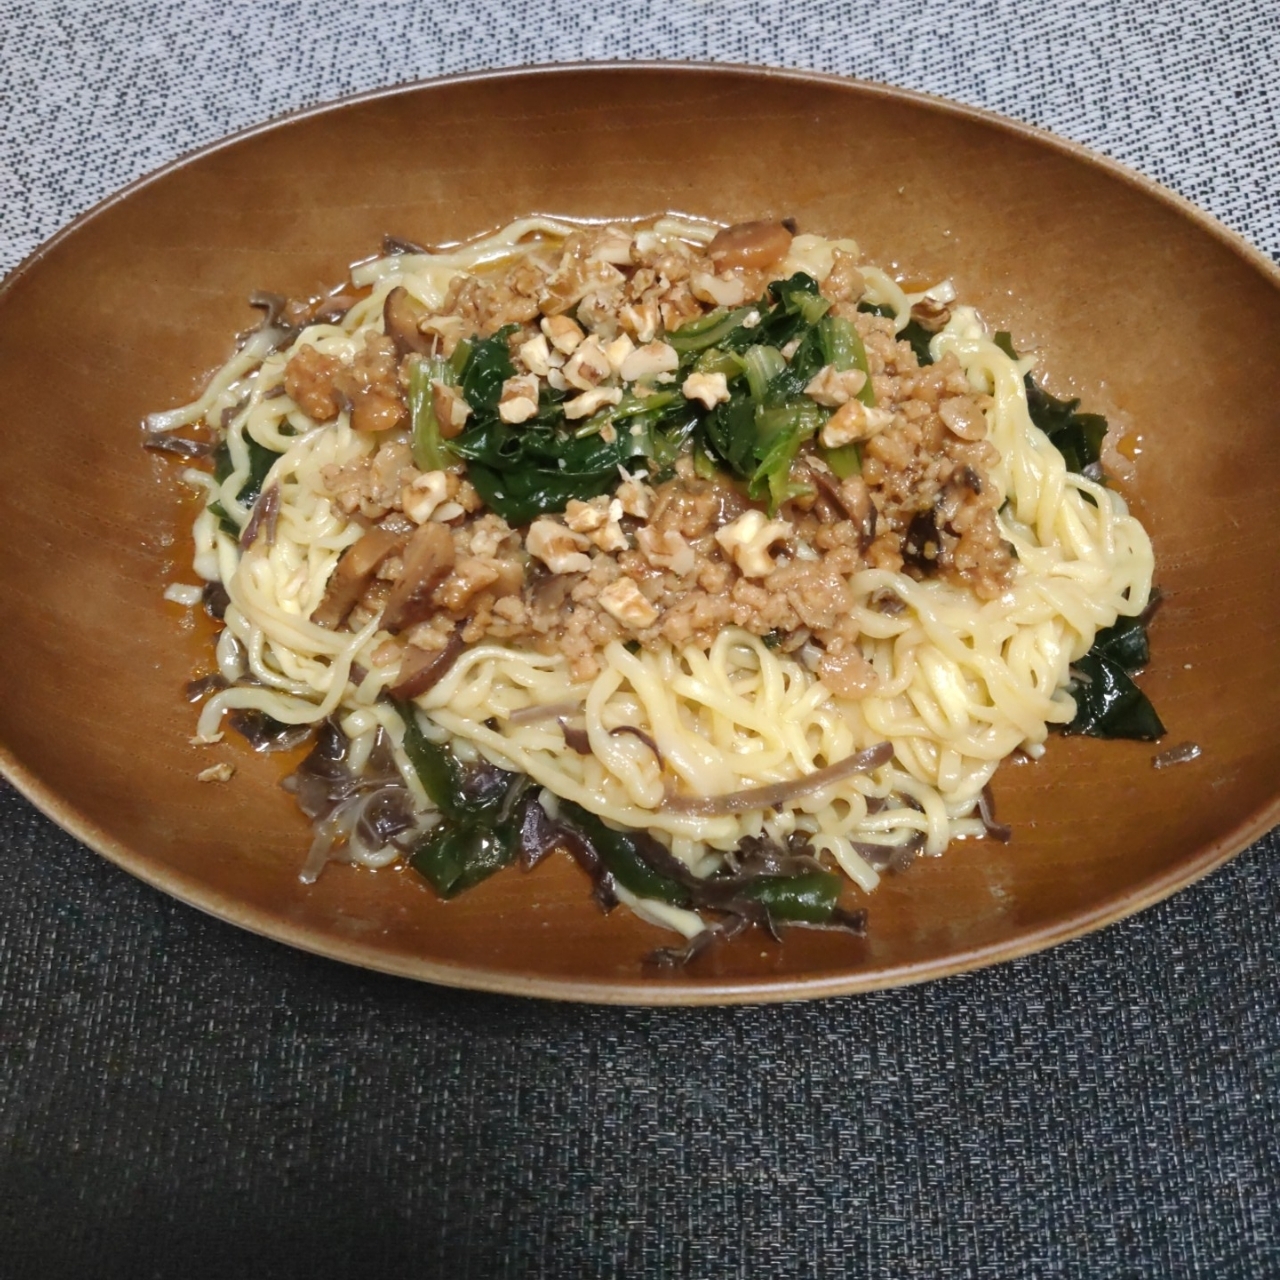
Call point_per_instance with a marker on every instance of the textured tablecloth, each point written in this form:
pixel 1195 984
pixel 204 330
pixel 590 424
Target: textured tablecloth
pixel 181 1099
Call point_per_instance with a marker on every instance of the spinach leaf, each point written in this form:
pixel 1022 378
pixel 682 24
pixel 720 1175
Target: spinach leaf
pixel 620 854
pixel 730 432
pixel 525 471
pixel 488 366
pixel 720 328
pixel 520 497
pixel 436 766
pixel 485 827
pixel 779 435
pixel 798 306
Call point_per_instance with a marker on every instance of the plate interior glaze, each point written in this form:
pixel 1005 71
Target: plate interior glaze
pixel 1148 310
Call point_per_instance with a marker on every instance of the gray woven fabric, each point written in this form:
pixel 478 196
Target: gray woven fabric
pixel 178 1098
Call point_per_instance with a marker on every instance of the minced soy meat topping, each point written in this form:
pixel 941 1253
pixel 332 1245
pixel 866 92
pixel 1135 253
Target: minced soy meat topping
pixel 857 455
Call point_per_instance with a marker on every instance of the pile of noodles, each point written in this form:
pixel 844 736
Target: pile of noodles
pixel 962 682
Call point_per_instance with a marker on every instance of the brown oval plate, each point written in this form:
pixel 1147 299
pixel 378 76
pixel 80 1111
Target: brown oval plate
pixel 1149 310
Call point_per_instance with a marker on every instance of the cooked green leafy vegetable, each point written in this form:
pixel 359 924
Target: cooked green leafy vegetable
pixel 480 831
pixel 261 460
pixel 429 451
pixel 526 470
pixel 522 472
pixel 537 467
pixel 1077 436
pixel 757 433
pixel 488 366
pixel 485 827
pixel 645 868
pixel 811 896
pixel 1108 702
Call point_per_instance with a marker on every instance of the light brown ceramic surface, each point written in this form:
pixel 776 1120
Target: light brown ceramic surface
pixel 1150 312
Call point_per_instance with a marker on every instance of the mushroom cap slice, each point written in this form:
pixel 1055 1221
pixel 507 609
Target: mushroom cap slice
pixel 428 560
pixel 353 574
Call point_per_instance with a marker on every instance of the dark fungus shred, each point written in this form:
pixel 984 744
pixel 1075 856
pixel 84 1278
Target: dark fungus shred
pixel 644 737
pixel 177 446
pixel 263 732
pixel 197 688
pixel 987 811
pixel 215 600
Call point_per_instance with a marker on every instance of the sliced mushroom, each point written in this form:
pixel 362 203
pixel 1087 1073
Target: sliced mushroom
pixel 355 571
pixel 428 558
pixel 400 315
pixel 422 669
pixel 750 244
pixel 853 497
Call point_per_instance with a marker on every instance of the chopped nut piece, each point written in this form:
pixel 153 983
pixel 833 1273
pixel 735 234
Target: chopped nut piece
pixel 557 546
pixel 448 511
pixel 590 402
pixel 641 320
pixel 519 399
pixel 653 358
pixel 617 352
pixel 748 540
pixel 666 549
pixel 537 356
pixel 451 410
pixel 614 246
pixel 423 495
pixel 610 536
pixel 563 333
pixel 708 388
pixel 588 366
pixel 854 421
pixel 635 498
pixel 627 603
pixel 718 291
pixel 449 329
pixel 216 773
pixel 583 517
pixel 833 387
